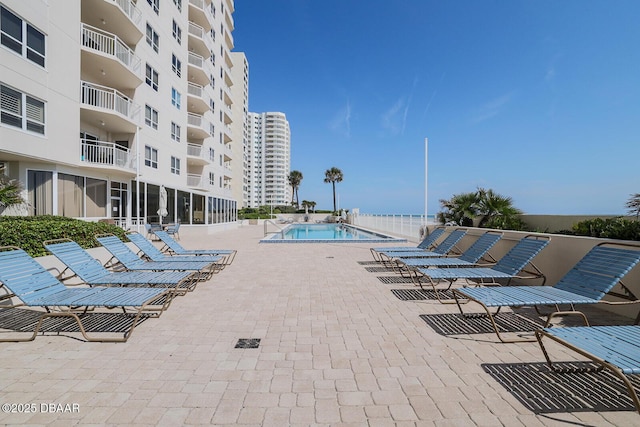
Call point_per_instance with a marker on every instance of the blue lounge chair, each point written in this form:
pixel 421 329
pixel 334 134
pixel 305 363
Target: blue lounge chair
pixel 174 248
pixel 587 282
pixel 446 247
pixel 123 256
pixel 512 265
pixel 173 230
pixel 427 243
pixel 25 279
pixel 152 253
pixel 468 258
pixel 91 272
pixel 616 348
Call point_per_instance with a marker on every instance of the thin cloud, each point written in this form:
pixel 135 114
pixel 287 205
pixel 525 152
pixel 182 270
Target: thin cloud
pixel 341 122
pixel 395 118
pixel 492 108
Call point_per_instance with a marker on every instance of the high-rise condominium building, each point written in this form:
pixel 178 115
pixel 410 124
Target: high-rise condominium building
pixel 105 101
pixel 269 159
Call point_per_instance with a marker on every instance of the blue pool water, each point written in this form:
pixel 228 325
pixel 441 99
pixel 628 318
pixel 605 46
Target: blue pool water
pixel 327 233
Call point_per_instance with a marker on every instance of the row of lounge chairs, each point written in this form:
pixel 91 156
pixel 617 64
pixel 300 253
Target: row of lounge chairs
pixel 141 284
pixel 616 348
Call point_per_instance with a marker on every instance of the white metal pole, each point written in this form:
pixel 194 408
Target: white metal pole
pixel 426 175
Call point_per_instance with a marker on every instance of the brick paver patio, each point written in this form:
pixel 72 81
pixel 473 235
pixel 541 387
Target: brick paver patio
pixel 337 348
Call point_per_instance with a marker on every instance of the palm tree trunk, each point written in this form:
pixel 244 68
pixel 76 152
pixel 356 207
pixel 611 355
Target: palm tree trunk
pixel 333 183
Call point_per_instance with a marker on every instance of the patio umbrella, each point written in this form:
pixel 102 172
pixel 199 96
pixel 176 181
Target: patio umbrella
pixel 162 209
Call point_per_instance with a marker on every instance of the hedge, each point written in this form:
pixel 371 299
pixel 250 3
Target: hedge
pixel 28 232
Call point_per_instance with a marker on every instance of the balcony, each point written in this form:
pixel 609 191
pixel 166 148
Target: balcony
pixel 197 126
pixel 121 17
pixel 199 40
pixel 196 155
pixel 107 59
pixel 107 107
pixel 199 13
pixel 106 155
pixel 228 134
pixel 196 70
pixel 195 180
pixel 197 99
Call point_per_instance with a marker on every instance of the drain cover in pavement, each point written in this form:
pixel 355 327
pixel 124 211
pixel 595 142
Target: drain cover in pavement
pixel 248 343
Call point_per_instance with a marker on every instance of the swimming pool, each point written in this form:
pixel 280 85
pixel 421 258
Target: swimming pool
pixel 327 233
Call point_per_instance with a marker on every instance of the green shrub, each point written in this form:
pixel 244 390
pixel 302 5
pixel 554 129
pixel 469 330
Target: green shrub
pixel 28 232
pixel 610 228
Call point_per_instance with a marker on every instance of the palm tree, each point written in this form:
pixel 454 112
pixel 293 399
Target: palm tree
pixel 496 211
pixel 333 175
pixel 633 204
pixel 295 178
pixel 461 209
pixel 10 193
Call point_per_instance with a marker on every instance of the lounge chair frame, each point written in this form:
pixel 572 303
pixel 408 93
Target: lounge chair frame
pixel 478 251
pixel 80 264
pixel 173 248
pixel 487 276
pixel 599 263
pixel 124 257
pixel 149 252
pixel 36 287
pixel 616 348
pixel 427 243
pixel 446 247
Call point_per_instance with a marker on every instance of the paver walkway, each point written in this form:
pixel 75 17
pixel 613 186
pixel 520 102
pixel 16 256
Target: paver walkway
pixel 337 348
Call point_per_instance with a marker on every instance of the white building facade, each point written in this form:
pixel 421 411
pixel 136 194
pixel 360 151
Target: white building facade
pixel 269 159
pixel 104 101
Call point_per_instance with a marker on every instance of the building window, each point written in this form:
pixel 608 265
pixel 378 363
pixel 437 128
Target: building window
pixel 178 4
pixel 155 5
pixel 150 117
pixel 13 33
pixel 153 39
pixel 177 32
pixel 176 65
pixel 175 132
pixel 175 165
pixel 175 98
pixel 213 58
pixel 212 178
pixel 212 154
pixel 21 110
pixel 152 77
pixel 150 157
pixel 40 192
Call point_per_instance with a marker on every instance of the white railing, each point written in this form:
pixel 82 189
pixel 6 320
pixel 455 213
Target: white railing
pixel 401 225
pixel 194 180
pixel 105 153
pixel 107 98
pixel 196 60
pixel 196 30
pixel 195 90
pixel 195 150
pixel 109 44
pixel 129 8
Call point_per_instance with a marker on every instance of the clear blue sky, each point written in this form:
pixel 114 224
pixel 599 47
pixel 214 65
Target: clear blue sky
pixel 538 100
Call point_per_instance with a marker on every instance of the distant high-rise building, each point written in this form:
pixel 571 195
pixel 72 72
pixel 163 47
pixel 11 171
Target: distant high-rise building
pixel 240 131
pixel 269 159
pixel 105 101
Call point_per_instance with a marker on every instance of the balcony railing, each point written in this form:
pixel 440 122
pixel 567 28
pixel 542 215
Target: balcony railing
pixel 129 8
pixel 194 180
pixel 196 60
pixel 105 153
pixel 108 99
pixel 109 44
pixel 195 150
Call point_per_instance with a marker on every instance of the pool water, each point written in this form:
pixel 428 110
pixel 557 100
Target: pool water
pixel 327 233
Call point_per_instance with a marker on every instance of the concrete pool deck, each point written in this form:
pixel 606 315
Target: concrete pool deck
pixel 337 347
